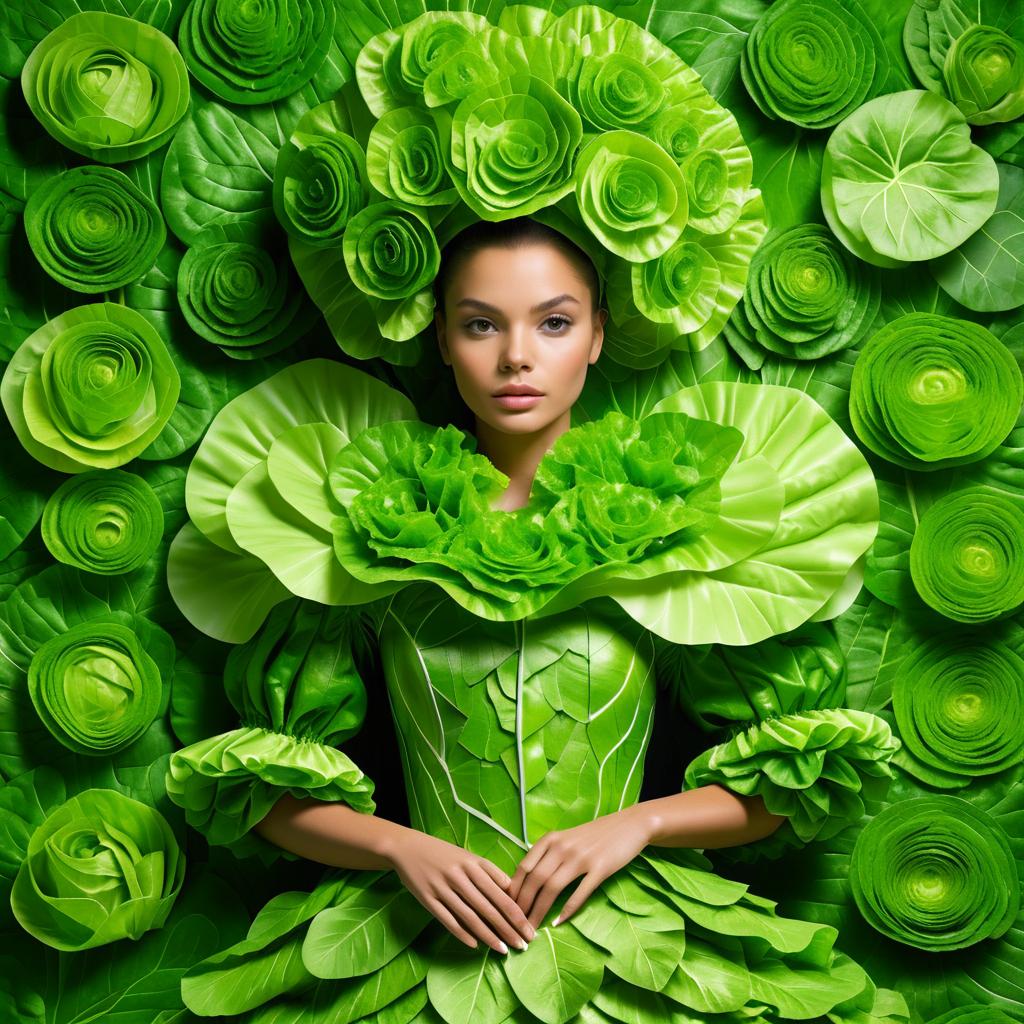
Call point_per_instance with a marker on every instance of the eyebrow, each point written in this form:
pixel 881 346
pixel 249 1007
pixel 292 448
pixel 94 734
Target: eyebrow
pixel 556 301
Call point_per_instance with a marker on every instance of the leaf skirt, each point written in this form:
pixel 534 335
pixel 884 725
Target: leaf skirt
pixel 664 939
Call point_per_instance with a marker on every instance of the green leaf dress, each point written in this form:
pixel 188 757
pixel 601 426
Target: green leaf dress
pixel 513 725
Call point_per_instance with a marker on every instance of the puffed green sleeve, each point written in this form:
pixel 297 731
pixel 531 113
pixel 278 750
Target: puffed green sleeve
pixel 776 707
pixel 298 687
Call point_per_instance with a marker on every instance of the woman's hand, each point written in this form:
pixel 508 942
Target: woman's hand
pixel 596 849
pixel 466 893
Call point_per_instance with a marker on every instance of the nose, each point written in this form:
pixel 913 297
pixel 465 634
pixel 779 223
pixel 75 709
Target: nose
pixel 515 354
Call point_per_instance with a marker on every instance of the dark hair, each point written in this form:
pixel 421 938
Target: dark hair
pixel 511 234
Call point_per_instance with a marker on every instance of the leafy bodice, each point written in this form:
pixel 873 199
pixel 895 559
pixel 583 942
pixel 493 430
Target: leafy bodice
pixel 508 730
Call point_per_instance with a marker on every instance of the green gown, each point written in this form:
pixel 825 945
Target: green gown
pixel 508 730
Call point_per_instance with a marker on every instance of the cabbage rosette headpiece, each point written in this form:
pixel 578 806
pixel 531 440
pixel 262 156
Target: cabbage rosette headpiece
pixel 585 121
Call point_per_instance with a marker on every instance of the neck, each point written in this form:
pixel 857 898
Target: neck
pixel 517 456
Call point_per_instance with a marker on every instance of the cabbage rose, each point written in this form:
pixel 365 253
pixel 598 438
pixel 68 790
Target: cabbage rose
pixel 103 521
pixel 93 230
pixel 813 62
pixel 929 392
pixel 936 873
pixel 101 867
pixel 108 87
pixel 806 297
pixel 967 555
pixel 95 688
pixel 91 388
pixel 256 52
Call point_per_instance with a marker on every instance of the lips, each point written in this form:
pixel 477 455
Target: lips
pixel 517 389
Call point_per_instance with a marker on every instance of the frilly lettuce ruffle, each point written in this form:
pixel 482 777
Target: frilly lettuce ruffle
pixel 299 693
pixel 817 768
pixel 228 783
pixel 729 513
pixel 613 496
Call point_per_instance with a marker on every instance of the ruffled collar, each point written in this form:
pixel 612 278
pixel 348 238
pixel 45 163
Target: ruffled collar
pixel 615 495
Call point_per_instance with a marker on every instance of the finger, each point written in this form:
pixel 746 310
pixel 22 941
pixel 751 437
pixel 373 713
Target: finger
pixel 513 913
pixel 495 872
pixel 441 912
pixel 480 893
pixel 545 867
pixel 471 919
pixel 549 892
pixel 576 900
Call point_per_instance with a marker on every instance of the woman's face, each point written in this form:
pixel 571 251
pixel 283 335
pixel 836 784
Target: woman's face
pixel 519 316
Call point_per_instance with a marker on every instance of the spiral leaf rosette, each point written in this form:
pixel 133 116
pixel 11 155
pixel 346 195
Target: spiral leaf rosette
pixel 92 388
pixel 936 873
pixel 931 391
pixel 510 147
pixel 813 62
pixel 967 555
pixel 959 706
pixel 101 867
pixel 320 179
pixel 103 521
pixel 390 251
pixel 256 52
pixel 106 86
pixel 806 297
pixel 404 159
pixel 984 75
pixel 235 296
pixel 632 195
pixel 93 230
pixel 95 688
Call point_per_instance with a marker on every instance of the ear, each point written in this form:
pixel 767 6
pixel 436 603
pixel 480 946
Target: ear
pixel 598 341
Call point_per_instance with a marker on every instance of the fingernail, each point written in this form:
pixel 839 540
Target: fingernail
pixel 532 934
pixel 521 944
pixel 502 947
pixel 556 920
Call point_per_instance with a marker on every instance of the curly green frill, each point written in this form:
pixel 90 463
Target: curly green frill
pixel 101 867
pixel 92 388
pixel 697 947
pixel 967 555
pixel 108 87
pixel 103 521
pixel 817 768
pixel 256 52
pixel 806 297
pixel 93 230
pixel 95 688
pixel 415 503
pixel 229 782
pixel 929 392
pixel 936 873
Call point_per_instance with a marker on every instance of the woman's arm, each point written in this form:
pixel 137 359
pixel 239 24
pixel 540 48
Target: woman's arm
pixel 708 817
pixel 332 833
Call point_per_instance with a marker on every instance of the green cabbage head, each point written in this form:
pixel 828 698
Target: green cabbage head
pixel 936 873
pixel 929 392
pixel 967 555
pixel 108 87
pixel 92 388
pixel 94 687
pixel 101 867
pixel 984 72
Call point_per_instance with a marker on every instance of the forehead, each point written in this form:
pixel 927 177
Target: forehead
pixel 504 276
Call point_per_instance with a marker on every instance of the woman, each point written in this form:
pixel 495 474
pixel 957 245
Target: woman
pixel 522 744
